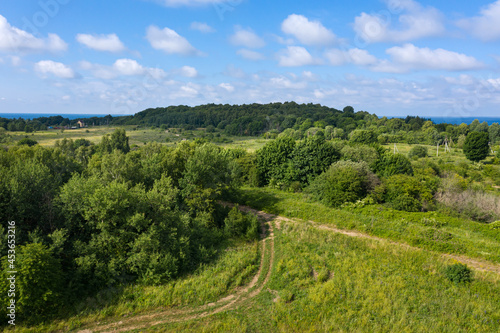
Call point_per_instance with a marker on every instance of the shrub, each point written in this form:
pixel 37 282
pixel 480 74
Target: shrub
pixel 363 136
pixel 458 273
pixel 344 181
pixel 476 146
pixel 418 151
pixel 360 153
pixel 273 159
pixel 27 141
pixel 393 164
pixel 310 158
pixel 323 275
pixel 406 193
pixel 38 283
pixel 238 224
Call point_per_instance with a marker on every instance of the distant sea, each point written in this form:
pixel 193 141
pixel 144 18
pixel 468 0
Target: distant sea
pixel 70 116
pixel 467 120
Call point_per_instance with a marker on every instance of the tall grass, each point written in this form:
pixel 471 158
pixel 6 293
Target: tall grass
pixel 430 230
pixel 372 286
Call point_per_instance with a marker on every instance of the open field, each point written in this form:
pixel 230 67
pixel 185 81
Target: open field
pixel 311 278
pixel 138 137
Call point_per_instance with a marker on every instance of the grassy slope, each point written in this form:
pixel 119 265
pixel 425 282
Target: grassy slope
pixel 372 287
pixel 458 236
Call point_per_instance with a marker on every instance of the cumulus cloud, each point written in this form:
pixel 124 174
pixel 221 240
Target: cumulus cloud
pixel 295 56
pixel 307 32
pixel 354 56
pixel 485 26
pixel 250 55
pixel 246 38
pixel 13 39
pixel 415 22
pixel 169 41
pixel 109 43
pixel 202 27
pixel 55 68
pixel 188 71
pixel 227 86
pixel 122 67
pixel 128 67
pixel 411 57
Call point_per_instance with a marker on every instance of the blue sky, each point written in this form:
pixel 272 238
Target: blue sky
pixel 389 57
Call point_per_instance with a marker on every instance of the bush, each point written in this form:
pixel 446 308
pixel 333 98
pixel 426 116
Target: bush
pixel 38 284
pixel 406 193
pixel 458 273
pixel 363 136
pixel 344 181
pixel 238 224
pixel 393 164
pixel 418 151
pixel 476 146
pixel 27 141
pixel 360 153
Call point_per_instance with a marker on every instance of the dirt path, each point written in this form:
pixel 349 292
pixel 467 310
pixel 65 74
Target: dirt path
pixel 476 264
pixel 229 302
pixel 258 282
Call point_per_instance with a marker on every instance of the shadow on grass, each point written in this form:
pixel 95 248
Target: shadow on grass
pixel 258 199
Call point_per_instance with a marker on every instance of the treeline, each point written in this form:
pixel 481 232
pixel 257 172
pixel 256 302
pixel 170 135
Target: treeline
pixel 89 217
pixel 344 173
pixel 302 120
pixel 42 123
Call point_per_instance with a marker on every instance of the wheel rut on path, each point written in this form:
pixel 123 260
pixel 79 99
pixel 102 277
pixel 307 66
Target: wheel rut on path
pixel 258 282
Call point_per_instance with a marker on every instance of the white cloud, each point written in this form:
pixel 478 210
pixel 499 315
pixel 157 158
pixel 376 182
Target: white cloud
pixel 13 39
pixel 109 43
pixel 296 56
pixel 227 86
pixel 411 57
pixel 128 67
pixel 188 71
pixel 56 68
pixel 202 27
pixel 354 56
pixel 415 22
pixel 246 38
pixel 169 41
pixel 250 55
pixel 485 26
pixel 124 67
pixel 283 82
pixel 307 32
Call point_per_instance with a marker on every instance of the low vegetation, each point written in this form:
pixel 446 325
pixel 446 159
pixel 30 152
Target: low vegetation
pixel 120 223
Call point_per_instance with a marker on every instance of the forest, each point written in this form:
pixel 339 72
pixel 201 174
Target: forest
pixel 99 216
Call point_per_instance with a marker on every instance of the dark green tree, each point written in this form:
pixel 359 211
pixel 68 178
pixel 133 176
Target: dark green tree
pixel 27 141
pixel 272 160
pixel 38 283
pixel 476 146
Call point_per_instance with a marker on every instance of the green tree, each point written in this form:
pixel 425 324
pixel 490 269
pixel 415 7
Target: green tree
pixel 418 151
pixel 494 132
pixel 310 158
pixel 363 136
pixel 273 160
pixel 344 181
pixel 476 146
pixel 392 164
pixel 39 282
pixel 27 141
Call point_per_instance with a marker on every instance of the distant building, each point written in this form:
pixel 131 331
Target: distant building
pixel 80 123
